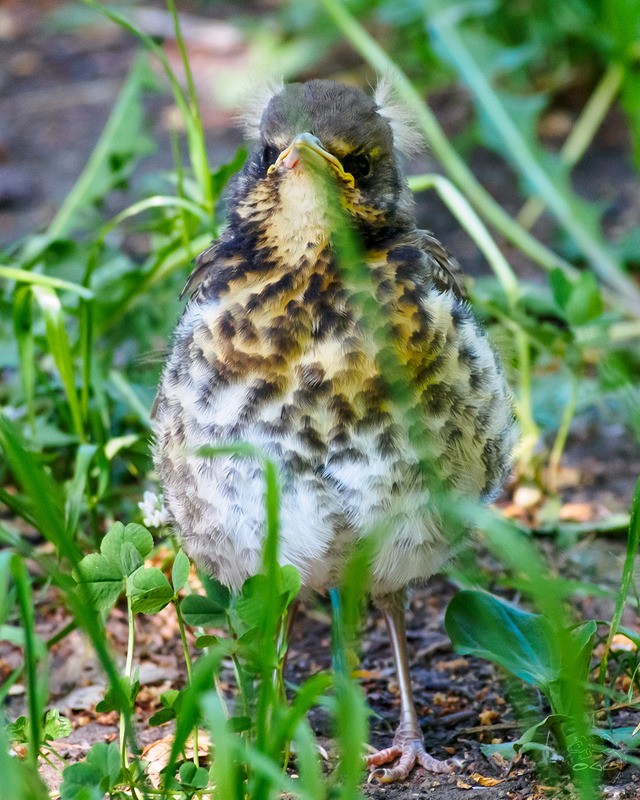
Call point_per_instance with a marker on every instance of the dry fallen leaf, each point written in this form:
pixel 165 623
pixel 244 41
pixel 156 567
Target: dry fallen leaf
pixel 621 643
pixel 527 497
pixel 485 781
pixel 488 716
pixel 462 785
pixel 456 663
pixel 157 754
pixel 577 512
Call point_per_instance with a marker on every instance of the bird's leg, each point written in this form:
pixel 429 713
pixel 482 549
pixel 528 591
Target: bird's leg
pixel 408 743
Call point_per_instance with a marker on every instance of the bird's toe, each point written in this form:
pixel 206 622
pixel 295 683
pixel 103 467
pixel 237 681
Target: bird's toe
pixel 406 754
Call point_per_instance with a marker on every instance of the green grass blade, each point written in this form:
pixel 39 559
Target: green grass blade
pixel 195 136
pixel 58 341
pixel 633 543
pixel 22 327
pixel 443 24
pixel 46 501
pixel 456 168
pixel 473 225
pixel 35 279
pixel 83 193
pixel 47 511
pixel 35 706
pixel 77 485
pixel 125 390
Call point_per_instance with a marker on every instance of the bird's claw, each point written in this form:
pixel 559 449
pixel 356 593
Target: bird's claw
pixel 409 752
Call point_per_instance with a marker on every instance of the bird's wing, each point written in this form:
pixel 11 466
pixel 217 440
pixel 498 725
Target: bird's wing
pixel 445 272
pixel 199 272
pixel 192 287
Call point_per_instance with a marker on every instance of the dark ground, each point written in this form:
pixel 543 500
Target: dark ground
pixel 55 94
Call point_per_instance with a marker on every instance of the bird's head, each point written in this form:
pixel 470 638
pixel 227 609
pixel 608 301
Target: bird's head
pixel 317 141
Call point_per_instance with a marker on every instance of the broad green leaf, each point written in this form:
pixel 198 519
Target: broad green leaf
pixel 522 643
pixel 130 559
pixel 170 698
pixel 192 776
pixel 133 535
pixel 251 603
pixel 103 579
pixel 585 301
pixel 55 725
pixel 208 640
pixel 105 758
pixel 198 610
pixel 149 590
pixel 162 716
pixel 218 594
pixel 81 780
pixel 239 724
pixel 535 735
pixel 180 570
pixel 561 287
pixel 290 583
pixel 18 730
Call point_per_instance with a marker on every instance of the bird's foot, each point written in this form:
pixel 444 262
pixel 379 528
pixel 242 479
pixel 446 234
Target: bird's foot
pixel 409 750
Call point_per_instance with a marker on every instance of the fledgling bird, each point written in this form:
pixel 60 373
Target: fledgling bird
pixel 274 349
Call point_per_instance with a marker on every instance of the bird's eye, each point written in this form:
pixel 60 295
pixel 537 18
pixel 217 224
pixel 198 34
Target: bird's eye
pixel 358 164
pixel 269 154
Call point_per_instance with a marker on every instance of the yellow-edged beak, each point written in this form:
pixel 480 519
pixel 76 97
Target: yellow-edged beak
pixel 294 153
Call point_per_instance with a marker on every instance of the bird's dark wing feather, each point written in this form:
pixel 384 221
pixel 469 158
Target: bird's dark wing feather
pixel 191 287
pixel 199 272
pixel 445 271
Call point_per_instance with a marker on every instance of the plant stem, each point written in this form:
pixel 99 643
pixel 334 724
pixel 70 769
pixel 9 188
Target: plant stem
pixel 456 168
pixel 633 542
pixel 445 27
pixel 196 140
pixel 471 222
pixel 128 670
pixel 626 294
pixel 561 436
pixel 581 135
pixel 524 407
pixel 187 661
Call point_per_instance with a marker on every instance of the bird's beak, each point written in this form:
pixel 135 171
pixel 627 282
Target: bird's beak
pixel 302 147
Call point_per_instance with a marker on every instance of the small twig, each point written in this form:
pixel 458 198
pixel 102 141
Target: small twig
pixel 449 719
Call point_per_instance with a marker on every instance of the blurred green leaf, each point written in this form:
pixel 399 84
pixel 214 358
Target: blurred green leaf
pixel 485 626
pixel 122 141
pixel 102 578
pixel 55 726
pixel 180 570
pixel 149 590
pixel 119 539
pixel 198 610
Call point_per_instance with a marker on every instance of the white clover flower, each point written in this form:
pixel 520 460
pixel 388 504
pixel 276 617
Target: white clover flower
pixel 154 511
